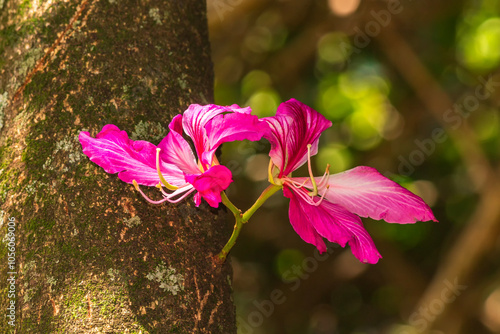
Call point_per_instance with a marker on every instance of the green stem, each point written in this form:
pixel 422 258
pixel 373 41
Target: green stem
pixel 243 218
pixel 237 226
pixel 236 212
pixel 268 192
pixel 236 232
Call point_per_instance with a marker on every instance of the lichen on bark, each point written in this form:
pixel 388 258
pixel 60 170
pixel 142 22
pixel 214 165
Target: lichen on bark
pixel 83 260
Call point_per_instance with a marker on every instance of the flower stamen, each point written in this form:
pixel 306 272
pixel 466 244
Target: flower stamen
pixel 177 192
pixel 183 191
pixel 324 179
pixel 146 197
pixel 294 183
pixel 322 197
pixel 162 179
pixel 313 182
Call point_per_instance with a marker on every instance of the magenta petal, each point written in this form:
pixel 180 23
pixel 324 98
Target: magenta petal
pixel 237 109
pixel 301 223
pixel 211 183
pixel 294 127
pixel 133 160
pixel 207 138
pixel 332 222
pixel 176 150
pixel 197 199
pixel 232 127
pixel 194 120
pixel 366 192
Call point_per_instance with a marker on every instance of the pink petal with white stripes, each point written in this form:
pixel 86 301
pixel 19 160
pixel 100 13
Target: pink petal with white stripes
pixel 196 117
pixel 300 222
pixel 133 160
pixel 332 222
pixel 231 127
pixel 294 126
pixel 367 193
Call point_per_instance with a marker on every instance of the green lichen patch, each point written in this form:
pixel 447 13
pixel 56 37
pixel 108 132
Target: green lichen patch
pixel 168 278
pixel 153 132
pixel 30 59
pixel 113 274
pixel 154 13
pixel 131 222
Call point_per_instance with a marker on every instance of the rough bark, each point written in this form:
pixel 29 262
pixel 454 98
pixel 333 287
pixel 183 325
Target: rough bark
pixel 87 245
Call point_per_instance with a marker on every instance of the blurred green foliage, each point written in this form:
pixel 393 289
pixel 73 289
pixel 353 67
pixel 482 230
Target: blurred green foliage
pixel 266 52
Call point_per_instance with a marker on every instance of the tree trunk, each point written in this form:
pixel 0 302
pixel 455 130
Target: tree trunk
pixel 91 255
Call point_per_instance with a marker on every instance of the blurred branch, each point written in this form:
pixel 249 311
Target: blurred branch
pixel 435 99
pixel 478 235
pixel 475 241
pixel 468 309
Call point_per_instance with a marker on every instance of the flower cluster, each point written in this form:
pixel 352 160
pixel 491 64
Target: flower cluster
pixel 329 206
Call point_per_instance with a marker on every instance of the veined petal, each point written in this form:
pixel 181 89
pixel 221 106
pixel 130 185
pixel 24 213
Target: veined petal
pixel 176 150
pixel 300 222
pixel 231 127
pixel 133 160
pixel 367 193
pixel 294 127
pixel 211 183
pixel 334 223
pixel 196 117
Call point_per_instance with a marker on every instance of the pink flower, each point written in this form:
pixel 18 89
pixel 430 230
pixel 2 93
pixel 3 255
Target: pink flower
pixel 173 164
pixel 329 206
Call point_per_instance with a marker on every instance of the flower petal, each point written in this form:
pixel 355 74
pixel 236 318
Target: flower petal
pixel 334 223
pixel 366 192
pixel 176 150
pixel 294 127
pixel 301 223
pixel 133 160
pixel 231 127
pixel 211 183
pixel 211 125
pixel 196 117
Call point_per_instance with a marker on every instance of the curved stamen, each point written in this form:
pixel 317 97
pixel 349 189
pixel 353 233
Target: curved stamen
pixel 324 179
pixel 159 186
pixel 322 197
pixel 180 198
pixel 179 191
pixel 162 179
pixel 313 182
pixel 294 183
pixel 146 197
pixel 184 192
pixel 310 200
pixel 305 197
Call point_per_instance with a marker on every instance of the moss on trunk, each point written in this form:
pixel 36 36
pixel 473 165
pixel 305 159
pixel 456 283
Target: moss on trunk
pixel 91 255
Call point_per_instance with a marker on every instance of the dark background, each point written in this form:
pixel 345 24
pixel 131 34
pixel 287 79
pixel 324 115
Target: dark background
pixel 406 86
